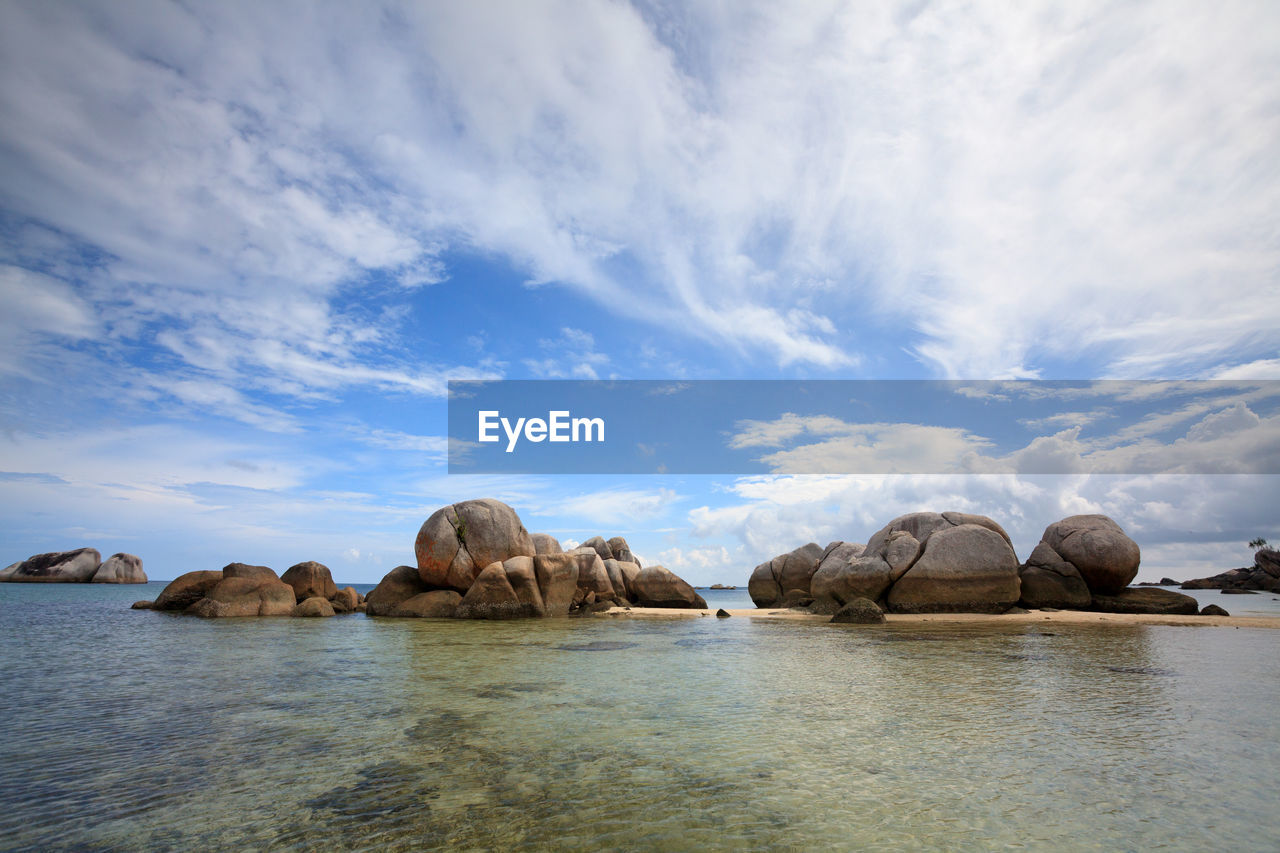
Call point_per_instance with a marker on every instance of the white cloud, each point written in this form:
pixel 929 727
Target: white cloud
pixel 1001 187
pixel 571 356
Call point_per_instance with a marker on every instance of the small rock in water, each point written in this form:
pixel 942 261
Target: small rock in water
pixel 1213 610
pixel 142 605
pixel 722 613
pixel 1239 592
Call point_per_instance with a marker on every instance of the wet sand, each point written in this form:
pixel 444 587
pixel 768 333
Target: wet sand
pixel 1039 617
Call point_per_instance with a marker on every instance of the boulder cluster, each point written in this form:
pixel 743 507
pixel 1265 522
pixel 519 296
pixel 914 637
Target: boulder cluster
pixel 476 560
pixel 306 589
pixel 83 565
pixel 928 562
pixel 1263 575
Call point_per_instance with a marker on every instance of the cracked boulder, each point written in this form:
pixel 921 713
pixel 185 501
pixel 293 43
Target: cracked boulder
pixel 459 541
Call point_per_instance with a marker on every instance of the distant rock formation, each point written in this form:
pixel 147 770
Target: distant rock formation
pixel 239 590
pixel 1263 575
pixel 83 565
pixel 525 575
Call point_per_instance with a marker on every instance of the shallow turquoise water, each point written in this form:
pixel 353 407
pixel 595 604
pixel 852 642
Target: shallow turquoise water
pixel 139 730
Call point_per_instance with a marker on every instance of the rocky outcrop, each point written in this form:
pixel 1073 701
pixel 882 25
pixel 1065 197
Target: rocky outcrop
pixel 859 611
pixel 241 590
pixel 921 562
pixel 456 543
pixel 1164 602
pixel 657 586
pixel 244 591
pixel 120 568
pixel 1263 575
pixel 185 590
pixel 1213 610
pixel 790 572
pixel 78 566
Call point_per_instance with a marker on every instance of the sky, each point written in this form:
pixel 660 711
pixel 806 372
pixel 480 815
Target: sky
pixel 244 247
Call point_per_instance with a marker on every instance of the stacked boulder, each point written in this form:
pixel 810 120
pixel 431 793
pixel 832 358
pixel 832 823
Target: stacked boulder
pixel 476 560
pixel 1086 562
pixel 239 589
pixel 83 565
pixel 923 562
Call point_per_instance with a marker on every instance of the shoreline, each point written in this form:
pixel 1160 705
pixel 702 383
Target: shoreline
pixel 1035 617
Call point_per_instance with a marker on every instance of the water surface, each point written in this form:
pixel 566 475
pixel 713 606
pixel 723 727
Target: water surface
pixel 139 730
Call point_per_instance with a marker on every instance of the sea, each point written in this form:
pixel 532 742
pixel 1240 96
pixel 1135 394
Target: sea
pixel 136 730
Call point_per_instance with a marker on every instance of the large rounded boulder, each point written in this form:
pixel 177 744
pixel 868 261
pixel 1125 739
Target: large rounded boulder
pixel 658 586
pixel 965 568
pixel 459 541
pixel 1099 550
pixel 185 590
pixel 310 580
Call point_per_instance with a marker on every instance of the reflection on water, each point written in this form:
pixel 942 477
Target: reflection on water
pixel 130 730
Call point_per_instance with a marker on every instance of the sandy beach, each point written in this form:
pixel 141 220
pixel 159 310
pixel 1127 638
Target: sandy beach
pixel 1060 617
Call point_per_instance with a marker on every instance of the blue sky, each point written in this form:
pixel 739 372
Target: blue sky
pixel 243 248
